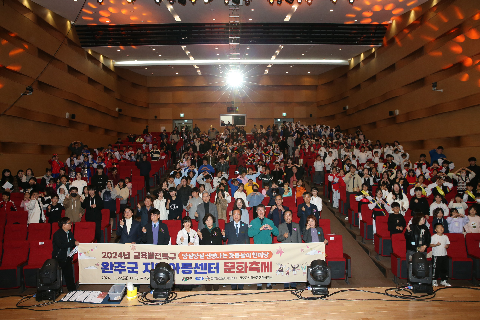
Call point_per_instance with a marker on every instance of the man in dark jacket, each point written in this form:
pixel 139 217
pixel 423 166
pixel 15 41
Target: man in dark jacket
pixel 76 147
pixel 145 166
pixel 156 232
pixel 93 205
pixel 63 242
pixel 129 230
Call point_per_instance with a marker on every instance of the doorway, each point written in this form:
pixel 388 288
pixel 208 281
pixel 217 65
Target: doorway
pixel 183 123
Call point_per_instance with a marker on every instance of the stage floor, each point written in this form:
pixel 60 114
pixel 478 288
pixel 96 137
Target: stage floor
pixel 450 303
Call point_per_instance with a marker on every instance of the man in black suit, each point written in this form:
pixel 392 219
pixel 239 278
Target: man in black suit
pixel 93 206
pixel 129 230
pixel 157 231
pixel 63 242
pixel 236 232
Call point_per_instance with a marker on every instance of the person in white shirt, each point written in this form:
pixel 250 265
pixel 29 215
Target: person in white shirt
pixel 316 200
pixel 328 161
pixel 319 165
pixel 458 204
pixel 440 243
pixel 439 204
pixel 240 194
pixel 398 196
pixel 160 204
pixel 79 183
pixel 35 211
pixel 187 236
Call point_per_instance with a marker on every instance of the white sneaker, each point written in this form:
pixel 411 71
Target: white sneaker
pixel 445 283
pixel 434 283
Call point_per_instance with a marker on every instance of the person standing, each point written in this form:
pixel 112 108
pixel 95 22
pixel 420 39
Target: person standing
pixel 354 185
pixel 305 209
pixel 277 211
pixel 93 205
pixel 157 232
pixel 203 208
pixel 236 232
pixel 63 242
pixel 261 230
pixel 289 232
pixel 129 230
pixel 145 167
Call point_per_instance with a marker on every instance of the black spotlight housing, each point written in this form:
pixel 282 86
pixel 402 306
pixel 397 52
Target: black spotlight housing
pixel 247 2
pixel 289 1
pixel 49 281
pixel 162 279
pixel 319 277
pixel 420 274
pixel 182 2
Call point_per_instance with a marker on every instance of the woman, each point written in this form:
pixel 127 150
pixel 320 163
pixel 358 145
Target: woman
pixel 29 174
pixel 161 205
pixel 187 236
pixel 397 195
pixel 417 237
pixel 210 235
pixel 79 182
pixel 221 203
pixel 123 193
pixel 240 205
pixel 108 196
pixel 7 178
pixel 312 232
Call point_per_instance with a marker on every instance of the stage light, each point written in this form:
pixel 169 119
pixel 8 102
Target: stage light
pixel 158 1
pixel 234 78
pixel 289 1
pixel 247 2
pixel 420 273
pixel 182 2
pixel 130 1
pixel 28 91
pixel 309 2
pixel 49 281
pixel 299 1
pixel 171 1
pixel 162 279
pixel 237 2
pixel 351 1
pixel 227 2
pixel 319 277
pixel 279 1
pixel 334 1
pixel 271 1
pixel 100 1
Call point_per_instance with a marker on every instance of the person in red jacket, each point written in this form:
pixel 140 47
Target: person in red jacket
pixel 56 165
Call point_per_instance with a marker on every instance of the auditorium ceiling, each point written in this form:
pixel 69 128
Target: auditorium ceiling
pixel 145 36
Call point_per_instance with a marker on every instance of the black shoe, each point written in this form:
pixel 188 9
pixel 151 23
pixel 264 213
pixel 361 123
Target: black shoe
pixel 269 287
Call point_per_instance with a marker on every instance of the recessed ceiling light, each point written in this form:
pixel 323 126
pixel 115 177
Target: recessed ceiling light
pixel 340 49
pixel 247 54
pixel 127 55
pixel 303 54
pixel 216 48
pixel 146 68
pixel 213 19
pixel 218 54
pixel 153 49
pixel 176 73
pixel 356 20
pixel 118 50
pixel 291 66
pixel 250 19
pixel 331 10
pixel 248 48
pixel 308 71
pixel 159 55
pixel 107 21
pixel 286 72
pixel 253 9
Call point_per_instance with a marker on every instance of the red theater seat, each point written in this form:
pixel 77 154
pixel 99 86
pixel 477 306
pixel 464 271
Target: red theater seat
pixel 366 225
pixel 84 232
pixel 339 262
pixel 39 231
pixel 473 249
pixel 398 258
pixel 459 264
pixel 383 241
pixel 15 256
pixel 40 251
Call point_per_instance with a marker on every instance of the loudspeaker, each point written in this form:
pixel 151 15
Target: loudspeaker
pixel 310 115
pixel 72 116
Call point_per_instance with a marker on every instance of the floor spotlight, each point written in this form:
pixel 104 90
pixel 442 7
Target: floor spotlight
pixel 162 279
pixel 351 1
pixel 420 273
pixel 49 281
pixel 319 277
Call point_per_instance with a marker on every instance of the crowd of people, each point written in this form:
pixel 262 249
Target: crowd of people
pixel 269 165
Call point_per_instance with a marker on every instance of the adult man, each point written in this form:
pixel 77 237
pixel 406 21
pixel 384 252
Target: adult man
pixel 261 229
pixel 145 166
pixel 157 232
pixel 236 232
pixel 353 183
pixel 184 191
pixel 222 166
pixel 93 205
pixel 73 205
pixel 62 242
pixel 475 168
pixel 144 211
pixel 129 230
pixel 255 198
pixel 205 167
pixel 205 207
pixel 305 209
pixel 289 232
pixel 277 211
pixel 193 203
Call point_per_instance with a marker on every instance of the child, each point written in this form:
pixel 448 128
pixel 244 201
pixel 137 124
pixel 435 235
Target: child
pixel 456 222
pixel 265 189
pixel 25 201
pixel 396 221
pixel 438 218
pixel 300 189
pixel 287 192
pixel 7 204
pixel 35 212
pixel 459 204
pixel 61 194
pixel 438 204
pixel 54 210
pixel 440 243
pixel 160 204
pixel 363 198
pixel 473 225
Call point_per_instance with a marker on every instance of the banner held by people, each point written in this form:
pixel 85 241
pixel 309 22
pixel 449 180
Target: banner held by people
pixel 109 263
